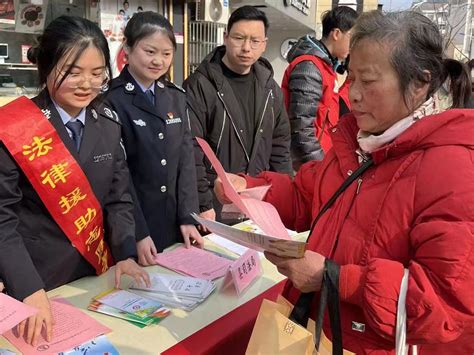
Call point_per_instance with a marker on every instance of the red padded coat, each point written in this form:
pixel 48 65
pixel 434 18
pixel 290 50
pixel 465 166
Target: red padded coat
pixel 413 209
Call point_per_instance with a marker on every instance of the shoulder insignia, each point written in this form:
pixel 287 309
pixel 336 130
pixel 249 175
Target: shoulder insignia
pixel 108 112
pixel 129 87
pixel 94 114
pixel 160 84
pixel 116 117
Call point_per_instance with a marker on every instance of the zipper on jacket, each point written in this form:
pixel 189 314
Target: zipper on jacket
pixel 359 182
pixel 254 148
pixel 235 128
pixel 273 118
pixel 338 234
pixel 189 121
pixel 222 133
pixel 263 113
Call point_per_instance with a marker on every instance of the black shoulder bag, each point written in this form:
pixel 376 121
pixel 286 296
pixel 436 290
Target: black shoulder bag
pixel 329 294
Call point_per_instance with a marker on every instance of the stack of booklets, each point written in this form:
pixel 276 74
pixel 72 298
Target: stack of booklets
pixel 138 310
pixel 195 262
pixel 176 291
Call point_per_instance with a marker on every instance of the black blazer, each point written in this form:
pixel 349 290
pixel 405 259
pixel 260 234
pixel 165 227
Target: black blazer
pixel 34 252
pixel 160 156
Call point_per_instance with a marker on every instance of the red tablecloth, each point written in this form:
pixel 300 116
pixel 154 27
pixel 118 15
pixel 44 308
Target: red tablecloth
pixel 229 334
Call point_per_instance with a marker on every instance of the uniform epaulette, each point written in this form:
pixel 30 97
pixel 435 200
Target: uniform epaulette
pixel 114 84
pixel 173 85
pixel 110 114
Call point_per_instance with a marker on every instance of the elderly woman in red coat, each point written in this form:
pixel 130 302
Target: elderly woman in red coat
pixel 413 208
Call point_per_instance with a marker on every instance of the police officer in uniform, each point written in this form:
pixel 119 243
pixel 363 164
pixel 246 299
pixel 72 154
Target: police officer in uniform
pixel 53 260
pixel 157 137
pixel 41 249
pixel 160 156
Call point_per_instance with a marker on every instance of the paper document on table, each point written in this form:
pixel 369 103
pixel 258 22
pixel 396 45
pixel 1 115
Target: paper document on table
pixel 71 328
pixel 261 212
pixel 227 244
pixel 172 301
pixel 129 302
pixel 176 291
pixel 194 262
pixel 153 318
pixel 259 242
pixel 98 346
pixel 190 287
pixel 12 312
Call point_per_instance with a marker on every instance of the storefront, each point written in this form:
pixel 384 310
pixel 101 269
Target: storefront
pixel 21 23
pixel 199 27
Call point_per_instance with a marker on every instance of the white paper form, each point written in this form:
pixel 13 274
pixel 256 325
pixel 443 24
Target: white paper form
pixel 259 242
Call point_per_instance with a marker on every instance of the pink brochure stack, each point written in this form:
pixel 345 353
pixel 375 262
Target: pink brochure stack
pixel 194 262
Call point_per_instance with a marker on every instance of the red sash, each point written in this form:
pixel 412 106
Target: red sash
pixel 57 178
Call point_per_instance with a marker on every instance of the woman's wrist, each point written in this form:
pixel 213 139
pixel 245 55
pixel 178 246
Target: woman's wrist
pixel 253 181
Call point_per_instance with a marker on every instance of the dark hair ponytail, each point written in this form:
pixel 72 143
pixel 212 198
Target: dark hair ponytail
pixel 459 82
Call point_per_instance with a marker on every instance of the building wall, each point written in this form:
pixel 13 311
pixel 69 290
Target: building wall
pixel 326 5
pixel 370 5
pixel 305 20
pixel 321 7
pixel 272 52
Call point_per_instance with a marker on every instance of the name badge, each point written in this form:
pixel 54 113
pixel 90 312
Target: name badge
pixel 102 157
pixel 140 123
pixel 173 120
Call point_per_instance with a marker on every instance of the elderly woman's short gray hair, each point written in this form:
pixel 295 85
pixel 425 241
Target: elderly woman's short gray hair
pixel 416 47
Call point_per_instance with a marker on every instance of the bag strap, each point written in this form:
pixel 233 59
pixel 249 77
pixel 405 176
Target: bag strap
pixel 330 285
pixel 330 297
pixel 401 345
pixel 355 175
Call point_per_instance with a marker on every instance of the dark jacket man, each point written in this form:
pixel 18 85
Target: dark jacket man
pixel 217 117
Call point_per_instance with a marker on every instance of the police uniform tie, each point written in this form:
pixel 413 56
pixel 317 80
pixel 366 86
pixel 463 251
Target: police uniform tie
pixel 150 96
pixel 76 129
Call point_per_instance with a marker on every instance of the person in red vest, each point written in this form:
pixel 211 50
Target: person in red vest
pixel 310 88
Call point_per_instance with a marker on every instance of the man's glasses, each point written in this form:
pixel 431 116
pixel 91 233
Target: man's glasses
pixel 239 41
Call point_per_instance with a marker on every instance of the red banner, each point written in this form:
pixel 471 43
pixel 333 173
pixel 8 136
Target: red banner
pixel 57 178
